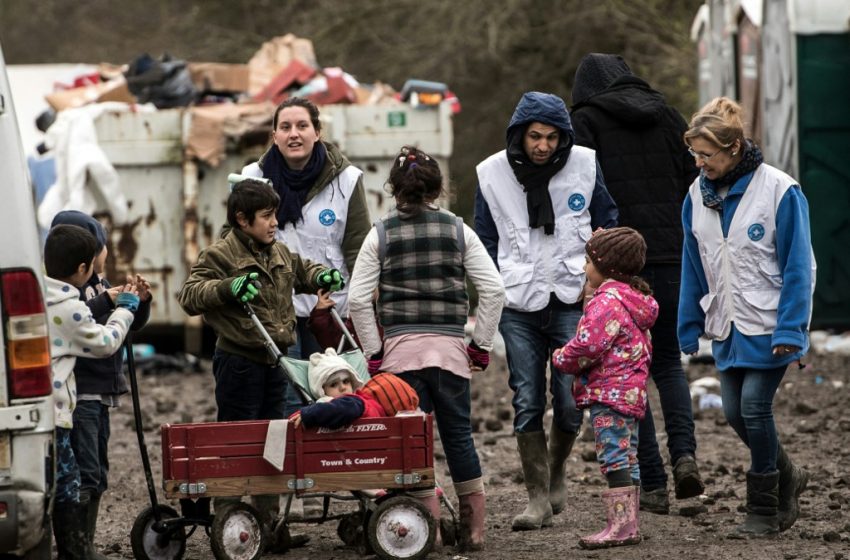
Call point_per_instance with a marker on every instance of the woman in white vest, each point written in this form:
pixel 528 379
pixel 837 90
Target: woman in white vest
pixel 748 273
pixel 537 203
pixel 322 214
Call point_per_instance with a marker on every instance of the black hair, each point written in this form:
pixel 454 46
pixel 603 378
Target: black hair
pixel 67 247
pixel 249 197
pixel 299 102
pixel 415 179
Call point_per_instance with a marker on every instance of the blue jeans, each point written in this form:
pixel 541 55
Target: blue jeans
pixel 305 344
pixel 448 396
pixel 90 440
pixel 247 390
pixel 67 471
pixel 670 380
pixel 748 405
pixel 616 437
pixel 530 339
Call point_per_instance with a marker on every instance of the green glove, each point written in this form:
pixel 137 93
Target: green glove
pixel 330 279
pixel 246 287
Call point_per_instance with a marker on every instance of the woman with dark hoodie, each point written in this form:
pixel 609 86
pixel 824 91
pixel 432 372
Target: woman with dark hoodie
pixel 638 141
pixel 323 214
pixel 537 203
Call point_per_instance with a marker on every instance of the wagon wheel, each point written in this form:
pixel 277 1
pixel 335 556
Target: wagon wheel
pixel 150 544
pixel 237 533
pixel 401 528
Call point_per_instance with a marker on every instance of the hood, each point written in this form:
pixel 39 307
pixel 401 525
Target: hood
pixel 323 365
pixel 595 73
pixel 58 291
pixel 545 108
pixel 605 81
pixel 642 308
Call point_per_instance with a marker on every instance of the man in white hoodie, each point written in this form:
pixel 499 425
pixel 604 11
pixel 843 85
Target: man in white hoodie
pixel 69 254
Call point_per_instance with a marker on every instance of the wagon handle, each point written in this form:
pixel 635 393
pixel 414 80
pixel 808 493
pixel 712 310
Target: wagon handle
pixel 140 434
pixel 275 352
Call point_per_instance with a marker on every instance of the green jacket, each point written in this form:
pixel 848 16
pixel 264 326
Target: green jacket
pixel 207 292
pixel 358 222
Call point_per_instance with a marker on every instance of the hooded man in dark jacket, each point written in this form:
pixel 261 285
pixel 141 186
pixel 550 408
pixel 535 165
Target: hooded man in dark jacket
pixel 638 141
pixel 537 203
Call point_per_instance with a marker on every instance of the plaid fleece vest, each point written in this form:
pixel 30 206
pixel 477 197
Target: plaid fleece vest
pixel 422 285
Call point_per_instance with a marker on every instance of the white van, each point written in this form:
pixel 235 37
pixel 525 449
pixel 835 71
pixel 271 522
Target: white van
pixel 27 463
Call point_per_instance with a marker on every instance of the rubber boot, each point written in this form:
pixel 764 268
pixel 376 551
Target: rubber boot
pixel 792 481
pixel 560 446
pixel 279 538
pixel 69 530
pixel 91 504
pixel 686 478
pixel 432 502
pixel 473 513
pixel 762 506
pixel 535 468
pixel 621 512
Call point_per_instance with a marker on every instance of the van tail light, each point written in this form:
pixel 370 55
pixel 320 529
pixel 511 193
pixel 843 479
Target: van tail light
pixel 25 327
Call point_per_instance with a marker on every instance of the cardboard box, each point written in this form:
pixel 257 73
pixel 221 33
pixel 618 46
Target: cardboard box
pixel 113 90
pixel 214 76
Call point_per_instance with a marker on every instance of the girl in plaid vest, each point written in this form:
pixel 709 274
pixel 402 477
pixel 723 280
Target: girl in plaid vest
pixel 418 257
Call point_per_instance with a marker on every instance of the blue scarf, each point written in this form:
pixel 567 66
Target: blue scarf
pixel 292 185
pixel 750 160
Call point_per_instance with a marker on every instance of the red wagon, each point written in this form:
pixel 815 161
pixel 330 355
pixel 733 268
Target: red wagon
pixel 206 460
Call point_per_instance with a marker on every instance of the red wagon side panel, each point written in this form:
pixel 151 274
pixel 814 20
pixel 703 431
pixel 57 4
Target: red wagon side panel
pixel 226 458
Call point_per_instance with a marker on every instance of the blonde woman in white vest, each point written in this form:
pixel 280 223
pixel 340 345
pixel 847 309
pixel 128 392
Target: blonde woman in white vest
pixel 537 203
pixel 322 214
pixel 748 274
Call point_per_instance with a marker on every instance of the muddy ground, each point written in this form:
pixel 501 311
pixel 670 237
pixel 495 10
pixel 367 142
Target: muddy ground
pixel 812 416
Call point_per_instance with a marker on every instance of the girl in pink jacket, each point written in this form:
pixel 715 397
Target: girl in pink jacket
pixel 610 357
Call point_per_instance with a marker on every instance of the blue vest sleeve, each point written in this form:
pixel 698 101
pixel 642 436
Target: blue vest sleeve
pixel 794 254
pixel 693 287
pixel 485 227
pixel 603 209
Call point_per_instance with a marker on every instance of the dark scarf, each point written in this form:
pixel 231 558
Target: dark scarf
pixel 292 185
pixel 535 178
pixel 750 160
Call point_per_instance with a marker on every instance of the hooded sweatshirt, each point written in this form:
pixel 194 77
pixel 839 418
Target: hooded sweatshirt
pixel 612 350
pixel 73 333
pixel 639 146
pixel 548 109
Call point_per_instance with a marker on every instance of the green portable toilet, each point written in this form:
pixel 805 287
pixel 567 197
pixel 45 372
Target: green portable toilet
pixel 797 99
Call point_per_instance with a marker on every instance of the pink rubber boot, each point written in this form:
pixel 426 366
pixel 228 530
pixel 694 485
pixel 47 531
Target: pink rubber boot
pixel 621 509
pixel 473 513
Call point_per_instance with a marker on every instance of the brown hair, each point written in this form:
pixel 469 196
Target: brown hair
pixel 719 122
pixel 415 179
pixel 299 102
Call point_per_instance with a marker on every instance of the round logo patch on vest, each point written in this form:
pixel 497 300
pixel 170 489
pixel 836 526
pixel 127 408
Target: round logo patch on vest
pixel 576 202
pixel 756 232
pixel 327 217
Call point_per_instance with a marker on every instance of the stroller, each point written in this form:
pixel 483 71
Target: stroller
pixel 226 459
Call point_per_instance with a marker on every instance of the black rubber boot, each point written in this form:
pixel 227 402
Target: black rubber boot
pixel 69 529
pixel 792 481
pixel 90 503
pixel 762 506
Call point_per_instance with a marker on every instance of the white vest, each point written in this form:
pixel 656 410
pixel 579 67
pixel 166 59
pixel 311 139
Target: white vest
pixel 742 270
pixel 532 264
pixel 319 236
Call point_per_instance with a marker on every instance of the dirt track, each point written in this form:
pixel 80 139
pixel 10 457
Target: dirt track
pixel 812 415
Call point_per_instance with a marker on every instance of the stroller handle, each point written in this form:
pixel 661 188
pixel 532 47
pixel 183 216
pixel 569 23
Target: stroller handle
pixel 345 332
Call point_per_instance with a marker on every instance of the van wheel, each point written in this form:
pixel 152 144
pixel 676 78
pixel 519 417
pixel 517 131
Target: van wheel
pixel 44 549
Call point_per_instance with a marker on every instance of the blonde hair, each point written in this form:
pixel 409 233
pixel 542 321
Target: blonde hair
pixel 719 122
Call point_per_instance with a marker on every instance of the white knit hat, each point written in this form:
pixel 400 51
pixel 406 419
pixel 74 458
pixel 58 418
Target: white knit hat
pixel 322 366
